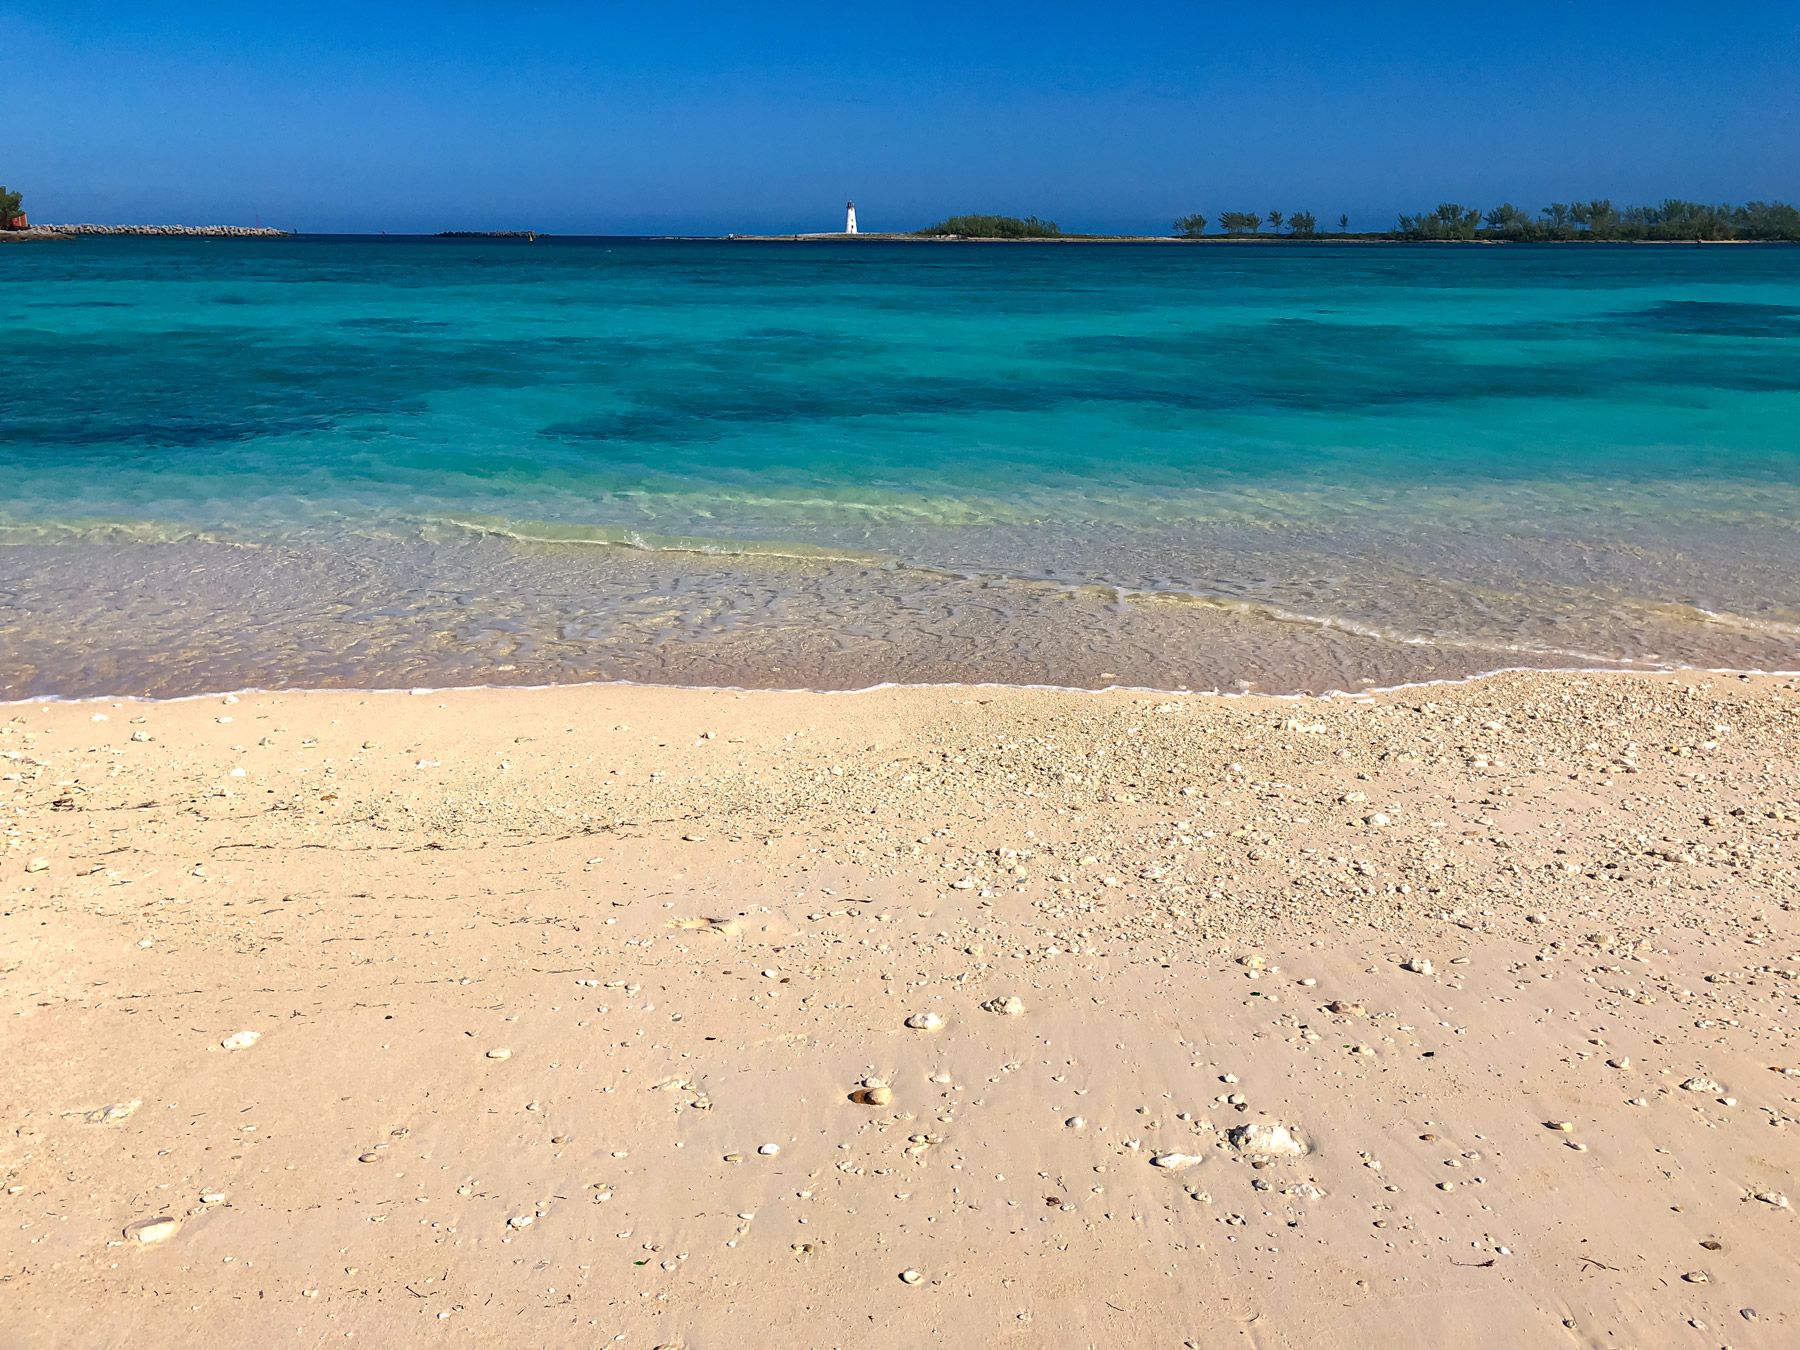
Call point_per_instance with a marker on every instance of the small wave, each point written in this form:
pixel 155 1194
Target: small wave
pixel 23 533
pixel 1744 622
pixel 643 541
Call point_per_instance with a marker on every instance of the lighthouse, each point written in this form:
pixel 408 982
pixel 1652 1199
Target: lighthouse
pixel 849 217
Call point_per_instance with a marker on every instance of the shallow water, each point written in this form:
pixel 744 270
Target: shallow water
pixel 401 462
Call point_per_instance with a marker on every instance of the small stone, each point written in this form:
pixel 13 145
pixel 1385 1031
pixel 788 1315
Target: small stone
pixel 150 1231
pixel 1338 1008
pixel 499 1052
pixel 368 1157
pixel 925 1021
pixel 1418 965
pixel 769 1150
pixel 240 1040
pixel 1564 1125
pixel 1697 1277
pixel 1700 1085
pixel 1080 1123
pixel 212 1198
pixel 1176 1162
pixel 1378 819
pixel 1010 1006
pixel 117 1111
pixel 879 1095
pixel 1775 1198
pixel 910 1277
pixel 38 865
pixel 521 1221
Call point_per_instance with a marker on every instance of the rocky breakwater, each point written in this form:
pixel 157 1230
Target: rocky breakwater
pixel 27 236
pixel 198 231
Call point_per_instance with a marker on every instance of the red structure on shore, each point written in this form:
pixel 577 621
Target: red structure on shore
pixel 18 222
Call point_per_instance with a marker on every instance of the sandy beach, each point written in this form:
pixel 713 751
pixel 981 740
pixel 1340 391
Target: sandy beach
pixel 1459 1015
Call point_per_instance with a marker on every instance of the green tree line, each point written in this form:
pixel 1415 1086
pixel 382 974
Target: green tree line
pixel 1300 224
pixel 994 227
pixel 10 202
pixel 1672 219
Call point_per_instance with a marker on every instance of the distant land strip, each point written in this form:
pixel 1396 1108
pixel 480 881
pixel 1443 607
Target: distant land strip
pixel 200 231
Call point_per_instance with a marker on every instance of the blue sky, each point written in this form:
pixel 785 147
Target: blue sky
pixel 647 117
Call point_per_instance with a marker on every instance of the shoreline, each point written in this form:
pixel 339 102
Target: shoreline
pixel 393 1012
pixel 905 686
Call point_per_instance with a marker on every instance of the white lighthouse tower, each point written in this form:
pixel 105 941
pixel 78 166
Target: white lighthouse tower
pixel 849 217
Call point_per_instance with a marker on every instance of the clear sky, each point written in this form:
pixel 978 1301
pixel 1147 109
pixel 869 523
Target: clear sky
pixel 711 117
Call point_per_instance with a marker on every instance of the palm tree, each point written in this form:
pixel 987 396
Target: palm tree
pixel 1344 224
pixel 1275 221
pixel 1191 227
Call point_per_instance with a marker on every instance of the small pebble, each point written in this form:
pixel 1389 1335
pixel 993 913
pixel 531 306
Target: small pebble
pixel 925 1021
pixel 240 1040
pixel 1176 1162
pixel 499 1053
pixel 149 1231
pixel 1010 1006
pixel 910 1277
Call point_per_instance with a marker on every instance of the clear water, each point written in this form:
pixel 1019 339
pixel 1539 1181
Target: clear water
pixel 401 462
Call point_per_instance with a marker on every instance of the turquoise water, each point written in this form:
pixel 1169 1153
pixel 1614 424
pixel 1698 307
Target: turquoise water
pixel 397 462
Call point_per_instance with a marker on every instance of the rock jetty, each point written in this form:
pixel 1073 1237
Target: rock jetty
pixel 202 231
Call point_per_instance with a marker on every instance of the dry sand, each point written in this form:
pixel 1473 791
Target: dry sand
pixel 558 1001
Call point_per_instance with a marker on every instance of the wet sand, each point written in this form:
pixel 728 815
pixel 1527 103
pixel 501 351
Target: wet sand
pixel 579 1016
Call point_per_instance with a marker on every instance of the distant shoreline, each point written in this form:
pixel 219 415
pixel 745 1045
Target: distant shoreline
pixel 42 233
pixel 1237 241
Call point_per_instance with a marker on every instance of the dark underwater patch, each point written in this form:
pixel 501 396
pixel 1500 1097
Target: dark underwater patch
pixel 1717 318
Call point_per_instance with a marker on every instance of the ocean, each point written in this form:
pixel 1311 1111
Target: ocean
pixel 362 462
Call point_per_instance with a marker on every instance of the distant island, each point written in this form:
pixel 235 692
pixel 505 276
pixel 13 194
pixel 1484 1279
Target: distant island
pixel 992 227
pixel 1670 221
